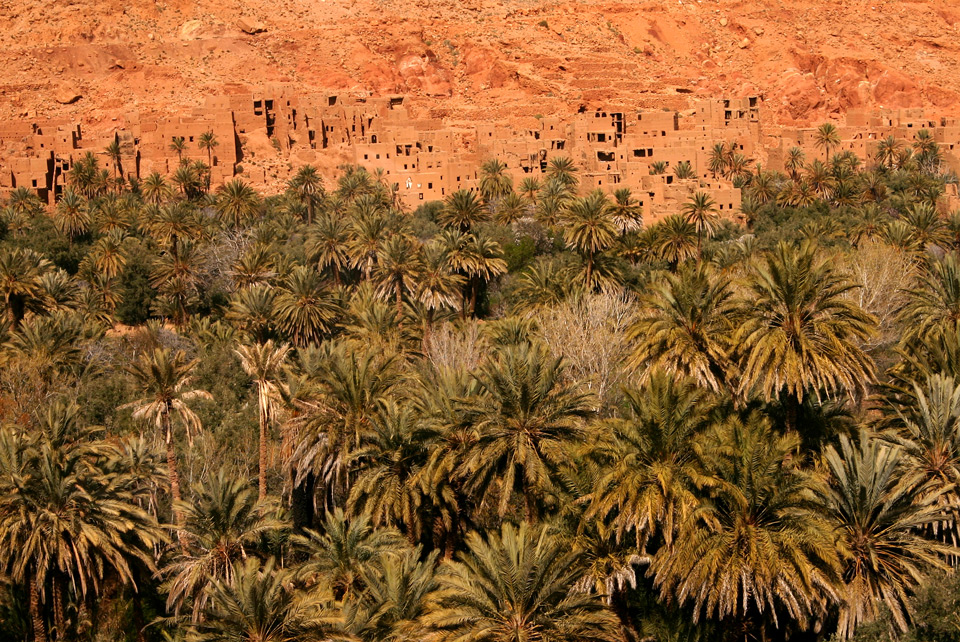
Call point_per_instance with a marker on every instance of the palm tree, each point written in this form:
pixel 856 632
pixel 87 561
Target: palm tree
pixel 794 162
pixel 462 210
pixel 221 527
pixel 887 152
pixel 645 484
pixel 115 154
pixel 20 285
pixel 801 331
pixel 826 136
pixel 684 171
pixel 305 310
pixel 483 263
pixel 525 415
pixel 178 144
pixel 511 208
pixel 261 604
pixel 340 555
pixel 717 164
pixel 701 212
pixel 933 307
pixel 563 172
pixel 328 245
pixel 627 213
pixel 397 268
pixel 675 237
pixel 71 216
pixel 515 585
pixel 494 183
pixel 69 514
pixel 821 180
pixel 253 311
pixel 264 364
pixel 757 546
pixel 257 266
pixel 369 228
pixel 237 203
pixel 308 187
pixel 208 141
pixel 590 229
pixel 155 189
pixel 390 456
pixel 162 381
pixel 879 508
pixel 439 286
pixel 529 188
pixel 684 328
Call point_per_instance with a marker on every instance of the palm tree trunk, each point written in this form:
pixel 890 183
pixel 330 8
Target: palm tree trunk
pixel 36 616
pixel 399 302
pixel 59 621
pixel 589 271
pixel 263 444
pixel 172 469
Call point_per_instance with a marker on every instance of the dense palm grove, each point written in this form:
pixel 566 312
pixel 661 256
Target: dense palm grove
pixel 517 415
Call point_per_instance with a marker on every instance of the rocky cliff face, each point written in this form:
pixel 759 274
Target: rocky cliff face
pixel 480 59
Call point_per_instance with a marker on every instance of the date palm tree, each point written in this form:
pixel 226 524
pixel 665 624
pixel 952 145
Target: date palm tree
pixel 462 211
pixel 880 508
pixel 483 263
pixel 758 545
pixel 369 229
pixel 328 245
pixel 308 187
pixel 237 203
pixel 826 137
pixel 155 189
pixel 933 306
pixel 684 328
pixel 439 286
pixel 162 380
pixel 515 585
pixel 494 182
pixel 253 311
pixel 343 551
pixel 72 215
pixel 511 208
pixel 21 271
pixel 305 309
pixel 676 239
pixel 563 172
pixel 208 141
pixel 701 212
pixel 645 485
pixel 178 144
pixel 397 268
pixel 529 188
pixel 627 213
pixel 794 162
pixel 525 415
pixel 717 163
pixel 222 526
pixel 801 331
pixel 264 363
pixel 69 514
pixel 589 228
pixel 115 154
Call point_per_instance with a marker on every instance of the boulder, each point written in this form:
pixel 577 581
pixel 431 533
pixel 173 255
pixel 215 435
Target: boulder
pixel 250 26
pixel 68 94
pixel 191 30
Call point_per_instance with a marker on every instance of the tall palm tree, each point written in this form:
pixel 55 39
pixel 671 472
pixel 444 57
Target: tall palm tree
pixel 563 172
pixel 590 229
pixel 305 309
pixel 887 152
pixel 21 271
pixel 821 180
pixel 369 229
pixel 162 381
pixel 879 508
pixel 237 203
pixel 826 137
pixel 308 187
pixel 801 331
pixel 933 307
pixel 717 163
pixel 525 416
pixel 494 183
pixel 264 362
pixel 178 144
pixel 390 456
pixel 397 268
pixel 676 239
pixel 795 162
pixel 328 245
pixel 627 213
pixel 208 141
pixel 645 485
pixel 439 287
pixel 261 604
pixel 701 212
pixel 223 525
pixel 511 208
pixel 685 327
pixel 253 311
pixel 484 262
pixel 529 188
pixel 155 189
pixel 515 585
pixel 757 545
pixel 72 215
pixel 115 154
pixel 68 516
pixel 341 553
pixel 462 210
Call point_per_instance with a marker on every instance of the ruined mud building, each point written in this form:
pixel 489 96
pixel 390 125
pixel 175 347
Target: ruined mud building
pixel 430 158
